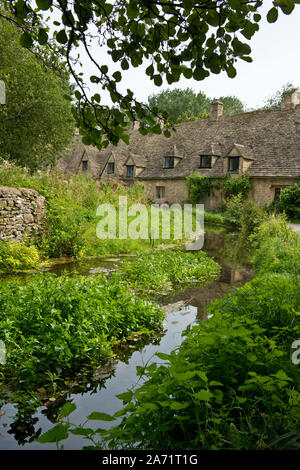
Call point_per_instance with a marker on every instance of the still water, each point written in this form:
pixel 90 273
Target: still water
pixel 19 430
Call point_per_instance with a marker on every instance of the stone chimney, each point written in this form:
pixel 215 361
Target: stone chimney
pixel 216 110
pixel 135 125
pixel 290 99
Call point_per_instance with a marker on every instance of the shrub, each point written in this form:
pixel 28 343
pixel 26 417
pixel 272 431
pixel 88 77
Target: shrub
pixel 72 201
pixel 290 201
pixel 277 248
pixel 16 256
pixel 65 324
pixel 227 387
pixel 245 215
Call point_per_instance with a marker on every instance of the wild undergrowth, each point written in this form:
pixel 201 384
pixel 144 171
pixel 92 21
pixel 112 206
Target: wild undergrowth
pixel 63 324
pixel 234 382
pixel 161 271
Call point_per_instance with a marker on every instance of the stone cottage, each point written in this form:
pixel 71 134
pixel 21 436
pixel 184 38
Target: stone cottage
pixel 264 143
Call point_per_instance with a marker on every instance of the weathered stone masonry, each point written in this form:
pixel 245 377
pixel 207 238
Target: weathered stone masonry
pixel 21 213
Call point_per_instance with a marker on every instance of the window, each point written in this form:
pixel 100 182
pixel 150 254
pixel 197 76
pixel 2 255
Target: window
pixel 233 163
pixel 277 194
pixel 205 161
pixel 84 165
pixel 110 167
pixel 130 171
pixel 160 192
pixel 169 162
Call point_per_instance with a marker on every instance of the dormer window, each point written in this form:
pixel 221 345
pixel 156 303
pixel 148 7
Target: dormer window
pixel 169 162
pixel 205 161
pixel 110 168
pixel 84 165
pixel 130 171
pixel 233 163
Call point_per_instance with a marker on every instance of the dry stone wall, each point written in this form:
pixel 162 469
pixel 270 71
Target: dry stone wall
pixel 21 213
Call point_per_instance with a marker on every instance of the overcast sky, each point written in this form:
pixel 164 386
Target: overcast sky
pixel 276 61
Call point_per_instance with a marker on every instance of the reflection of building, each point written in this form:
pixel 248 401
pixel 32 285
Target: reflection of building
pixel 263 143
pixel 201 297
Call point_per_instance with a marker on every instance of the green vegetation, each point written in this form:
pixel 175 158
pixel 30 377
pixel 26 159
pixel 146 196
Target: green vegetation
pixel 183 105
pixel 289 202
pixel 72 201
pixel 66 324
pixel 189 39
pixel 16 256
pixel 243 215
pixel 158 272
pixel 198 185
pixel 231 384
pixel 37 122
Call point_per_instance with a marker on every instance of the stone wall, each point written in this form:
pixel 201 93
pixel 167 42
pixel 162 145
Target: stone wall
pixel 21 213
pixel 263 189
pixel 176 190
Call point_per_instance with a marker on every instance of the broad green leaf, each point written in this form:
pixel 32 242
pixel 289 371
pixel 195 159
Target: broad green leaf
pixel 56 434
pixel 42 37
pixel 272 15
pixel 83 431
pixel 62 37
pixel 203 395
pixel 163 356
pixel 67 409
pixel 44 4
pixel 26 40
pixel 100 416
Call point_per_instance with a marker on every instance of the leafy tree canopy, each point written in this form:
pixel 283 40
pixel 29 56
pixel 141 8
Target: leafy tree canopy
pixel 189 38
pixel 275 100
pixel 37 121
pixel 187 105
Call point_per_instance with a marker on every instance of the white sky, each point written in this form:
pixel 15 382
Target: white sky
pixel 276 61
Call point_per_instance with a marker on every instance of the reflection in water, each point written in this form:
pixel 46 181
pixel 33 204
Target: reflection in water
pixel 22 423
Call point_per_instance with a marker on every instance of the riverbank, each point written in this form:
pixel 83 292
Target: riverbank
pixel 181 309
pixel 233 383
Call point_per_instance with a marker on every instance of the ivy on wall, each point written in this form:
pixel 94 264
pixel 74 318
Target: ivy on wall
pixel 198 185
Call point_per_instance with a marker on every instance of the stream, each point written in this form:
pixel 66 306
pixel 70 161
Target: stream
pixel 18 430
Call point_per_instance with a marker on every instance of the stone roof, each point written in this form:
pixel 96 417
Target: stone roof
pixel 268 138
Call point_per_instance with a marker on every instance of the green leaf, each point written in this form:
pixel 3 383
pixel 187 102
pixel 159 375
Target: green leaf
pixel 100 416
pixel 56 434
pixel 97 97
pixel 125 64
pixel 126 396
pixel 157 80
pixel 251 357
pixel 272 15
pixel 117 76
pixel 163 356
pixel 178 406
pixel 26 40
pixel 62 37
pixel 67 409
pixel 43 4
pixel 125 138
pixel 83 431
pixel 235 4
pixel 281 375
pixel 203 395
pixel 42 37
pixel 231 71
